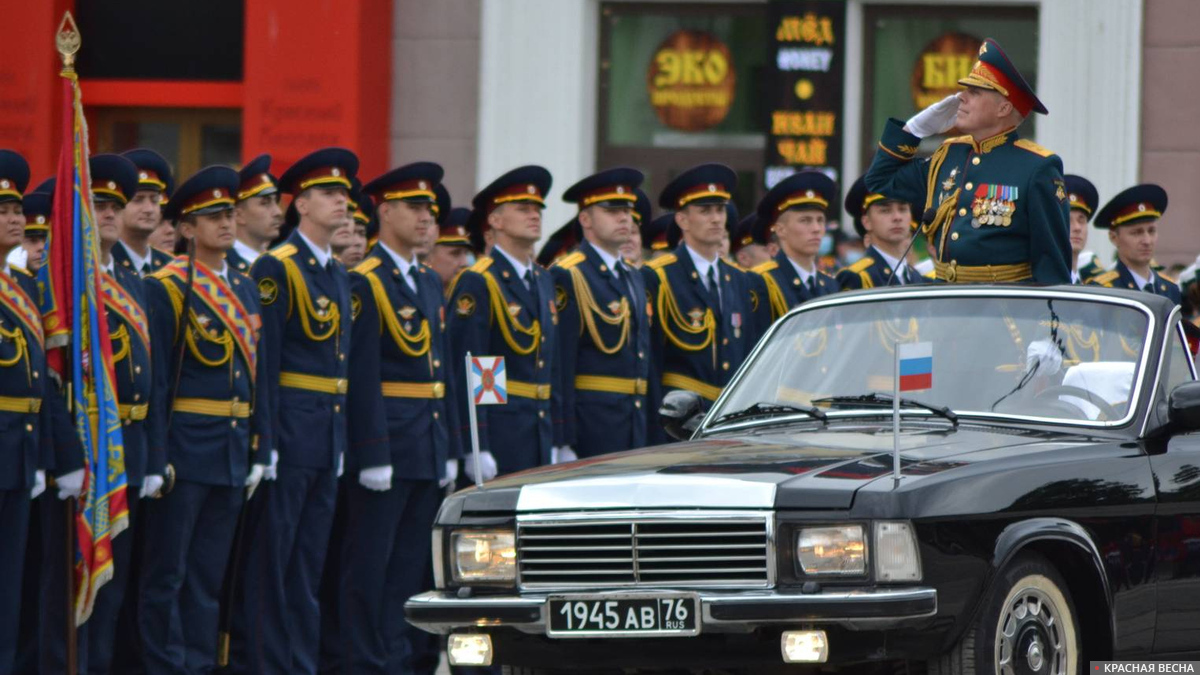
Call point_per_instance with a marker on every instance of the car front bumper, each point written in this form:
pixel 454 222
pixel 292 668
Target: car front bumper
pixel 721 612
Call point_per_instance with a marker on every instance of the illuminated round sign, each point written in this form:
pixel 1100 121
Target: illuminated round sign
pixel 691 81
pixel 940 65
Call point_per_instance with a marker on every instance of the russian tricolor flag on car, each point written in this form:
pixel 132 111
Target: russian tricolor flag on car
pixel 916 366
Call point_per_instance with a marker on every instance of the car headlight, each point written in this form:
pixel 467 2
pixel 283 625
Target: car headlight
pixel 484 555
pixel 896 555
pixel 835 551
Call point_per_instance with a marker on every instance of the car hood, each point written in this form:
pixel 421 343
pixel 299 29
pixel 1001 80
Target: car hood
pixel 817 469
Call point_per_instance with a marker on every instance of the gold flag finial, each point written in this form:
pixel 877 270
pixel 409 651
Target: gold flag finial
pixel 67 40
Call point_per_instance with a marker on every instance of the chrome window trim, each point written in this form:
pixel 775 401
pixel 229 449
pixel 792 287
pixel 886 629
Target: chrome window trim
pixel 767 517
pixel 1162 362
pixel 917 293
pixel 439 558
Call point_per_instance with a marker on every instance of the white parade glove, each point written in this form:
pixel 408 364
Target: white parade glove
pixel 150 486
pixel 252 480
pixel 487 466
pixel 562 454
pixel 70 485
pixel 271 471
pixel 341 465
pixel 1045 355
pixel 451 473
pixel 936 119
pixel 377 478
pixel 39 484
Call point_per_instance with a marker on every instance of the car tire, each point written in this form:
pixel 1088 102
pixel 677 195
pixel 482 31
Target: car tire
pixel 1027 619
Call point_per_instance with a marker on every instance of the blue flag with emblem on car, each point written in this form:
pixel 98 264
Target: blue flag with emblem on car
pixel 487 384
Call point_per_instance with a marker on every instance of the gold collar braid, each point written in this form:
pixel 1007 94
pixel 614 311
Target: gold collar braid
pixel 413 346
pixel 298 297
pixel 589 310
pixel 668 312
pixel 508 322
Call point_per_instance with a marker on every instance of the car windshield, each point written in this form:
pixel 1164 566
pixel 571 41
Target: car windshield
pixel 1041 357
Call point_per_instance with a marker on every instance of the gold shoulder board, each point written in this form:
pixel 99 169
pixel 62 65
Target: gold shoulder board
pixel 367 265
pixel 763 268
pixel 283 251
pixel 1026 144
pixel 569 261
pixel 662 261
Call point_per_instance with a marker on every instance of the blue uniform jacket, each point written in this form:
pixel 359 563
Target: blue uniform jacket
pixel 1000 202
pixel 29 440
pixel 129 331
pixel 603 395
pixel 493 314
pixel 306 337
pixel 873 271
pixel 211 370
pixel 158 259
pixel 402 381
pixel 236 261
pixel 693 346
pixel 784 288
pixel 1120 277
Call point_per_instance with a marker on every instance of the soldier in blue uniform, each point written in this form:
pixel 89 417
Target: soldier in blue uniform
pixel 999 201
pixel 1132 219
pixel 143 213
pixel 403 427
pixel 604 330
pixel 204 327
pixel 704 322
pixel 795 211
pixel 889 222
pixel 452 251
pixel 503 305
pixel 1083 201
pixel 305 295
pixel 129 332
pixel 257 213
pixel 41 437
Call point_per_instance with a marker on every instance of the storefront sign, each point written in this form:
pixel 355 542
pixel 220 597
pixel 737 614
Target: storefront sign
pixel 940 65
pixel 691 81
pixel 805 96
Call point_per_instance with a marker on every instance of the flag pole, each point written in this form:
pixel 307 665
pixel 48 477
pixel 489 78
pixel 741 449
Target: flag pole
pixel 474 424
pixel 896 411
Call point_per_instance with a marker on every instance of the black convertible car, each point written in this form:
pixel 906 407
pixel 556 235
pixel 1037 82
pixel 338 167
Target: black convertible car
pixel 1038 508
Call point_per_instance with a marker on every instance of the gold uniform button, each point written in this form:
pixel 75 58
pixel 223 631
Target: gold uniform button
pixel 637 404
pixel 233 423
pixel 954 236
pixel 975 161
pixel 137 397
pixel 127 422
pixel 337 408
pixel 436 415
pixel 641 355
pixel 541 363
pixel 137 370
pixel 724 341
pixel 35 374
pixel 235 399
pixel 237 373
pixel 541 413
pixel 28 427
pixel 341 357
pixel 962 212
pixel 969 185
pixel 725 366
pixel 437 363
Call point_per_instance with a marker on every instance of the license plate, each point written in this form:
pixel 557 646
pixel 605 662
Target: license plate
pixel 658 615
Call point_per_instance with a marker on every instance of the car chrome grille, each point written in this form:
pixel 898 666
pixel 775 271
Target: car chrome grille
pixel 680 550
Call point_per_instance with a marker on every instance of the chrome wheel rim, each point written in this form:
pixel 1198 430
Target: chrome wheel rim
pixel 1033 634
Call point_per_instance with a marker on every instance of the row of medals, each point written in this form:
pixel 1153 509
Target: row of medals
pixel 992 212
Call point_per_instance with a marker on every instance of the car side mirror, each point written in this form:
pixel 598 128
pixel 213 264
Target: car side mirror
pixel 1183 407
pixel 681 412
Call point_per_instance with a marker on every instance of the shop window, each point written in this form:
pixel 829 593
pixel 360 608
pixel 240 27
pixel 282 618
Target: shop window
pixel 188 139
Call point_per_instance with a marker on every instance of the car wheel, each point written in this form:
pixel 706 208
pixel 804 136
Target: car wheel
pixel 1027 625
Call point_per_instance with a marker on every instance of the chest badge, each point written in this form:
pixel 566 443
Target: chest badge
pixel 514 309
pixel 406 313
pixel 948 184
pixel 614 307
pixel 696 316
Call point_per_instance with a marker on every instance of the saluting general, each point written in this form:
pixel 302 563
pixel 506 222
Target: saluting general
pixel 704 315
pixel 503 305
pixel 403 426
pixel 604 324
pixel 998 201
pixel 204 326
pixel 305 295
pixel 794 211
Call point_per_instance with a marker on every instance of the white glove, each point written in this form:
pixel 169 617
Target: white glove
pixel 377 478
pixel 70 485
pixel 1045 355
pixel 451 473
pixel 150 486
pixel 39 484
pixel 252 481
pixel 271 471
pixel 562 454
pixel 487 466
pixel 936 119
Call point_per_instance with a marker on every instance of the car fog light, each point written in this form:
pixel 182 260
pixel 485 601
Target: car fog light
pixel 470 649
pixel 896 556
pixel 805 646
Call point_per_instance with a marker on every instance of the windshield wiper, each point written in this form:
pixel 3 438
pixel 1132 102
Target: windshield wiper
pixel 762 409
pixel 878 399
